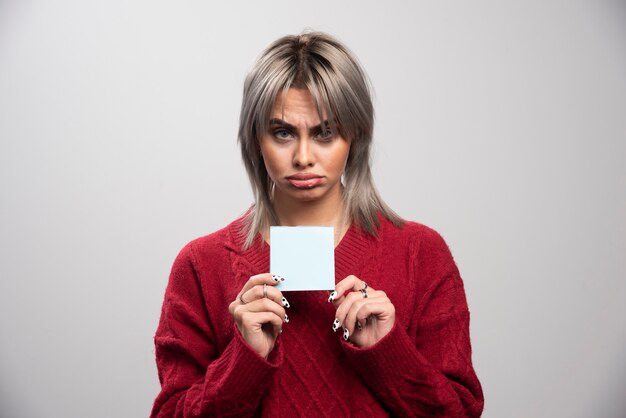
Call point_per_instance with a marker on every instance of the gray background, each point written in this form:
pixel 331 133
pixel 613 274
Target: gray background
pixel 501 124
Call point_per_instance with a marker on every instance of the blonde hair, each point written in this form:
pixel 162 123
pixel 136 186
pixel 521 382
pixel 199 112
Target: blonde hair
pixel 319 63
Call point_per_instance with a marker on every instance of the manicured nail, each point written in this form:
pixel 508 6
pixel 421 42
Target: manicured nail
pixel 285 303
pixel 278 278
pixel 336 325
pixel 346 334
pixel 286 319
pixel 332 296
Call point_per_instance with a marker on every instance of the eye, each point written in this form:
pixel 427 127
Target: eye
pixel 325 135
pixel 282 134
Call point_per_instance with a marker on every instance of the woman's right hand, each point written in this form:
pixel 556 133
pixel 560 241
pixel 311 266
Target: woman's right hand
pixel 259 312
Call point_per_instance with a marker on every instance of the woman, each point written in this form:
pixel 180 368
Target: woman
pixel 229 343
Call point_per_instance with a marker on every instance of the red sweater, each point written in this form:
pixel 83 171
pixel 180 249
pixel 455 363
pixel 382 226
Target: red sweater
pixel 421 368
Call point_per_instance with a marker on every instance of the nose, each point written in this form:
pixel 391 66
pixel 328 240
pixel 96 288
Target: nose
pixel 303 154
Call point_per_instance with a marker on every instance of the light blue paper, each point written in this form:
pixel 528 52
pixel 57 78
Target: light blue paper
pixel 304 256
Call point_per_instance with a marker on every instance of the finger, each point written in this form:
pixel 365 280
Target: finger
pixel 252 322
pixel 263 291
pixel 252 281
pixel 268 279
pixel 346 315
pixel 276 296
pixel 344 308
pixel 269 292
pixel 362 308
pixel 260 279
pixel 344 305
pixel 350 283
pixel 260 305
pixel 382 310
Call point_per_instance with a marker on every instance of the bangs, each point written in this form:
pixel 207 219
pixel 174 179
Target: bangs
pixel 338 86
pixel 349 111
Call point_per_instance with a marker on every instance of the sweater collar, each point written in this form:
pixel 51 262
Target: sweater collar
pixel 351 253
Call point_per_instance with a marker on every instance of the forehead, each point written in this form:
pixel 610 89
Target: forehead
pixel 296 105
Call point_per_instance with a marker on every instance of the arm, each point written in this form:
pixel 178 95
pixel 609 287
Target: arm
pixel 196 379
pixel 422 367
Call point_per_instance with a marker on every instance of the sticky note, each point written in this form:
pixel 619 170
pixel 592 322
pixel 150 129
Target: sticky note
pixel 304 256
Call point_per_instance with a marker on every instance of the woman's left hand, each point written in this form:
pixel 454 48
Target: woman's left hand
pixel 365 314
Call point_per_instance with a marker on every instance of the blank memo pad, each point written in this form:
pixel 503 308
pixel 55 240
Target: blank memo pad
pixel 304 256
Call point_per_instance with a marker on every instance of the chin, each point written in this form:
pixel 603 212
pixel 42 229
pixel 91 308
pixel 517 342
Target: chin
pixel 304 195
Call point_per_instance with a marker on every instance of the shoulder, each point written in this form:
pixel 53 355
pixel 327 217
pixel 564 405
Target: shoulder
pixel 429 258
pixel 213 244
pixel 414 234
pixel 421 245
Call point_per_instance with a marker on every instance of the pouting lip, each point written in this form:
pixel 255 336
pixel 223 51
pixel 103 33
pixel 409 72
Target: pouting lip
pixel 303 176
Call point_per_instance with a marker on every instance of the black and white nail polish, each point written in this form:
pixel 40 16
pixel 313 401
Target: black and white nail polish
pixel 286 319
pixel 332 296
pixel 278 278
pixel 346 334
pixel 285 303
pixel 336 325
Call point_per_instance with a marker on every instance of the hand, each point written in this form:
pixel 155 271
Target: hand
pixel 259 312
pixel 365 314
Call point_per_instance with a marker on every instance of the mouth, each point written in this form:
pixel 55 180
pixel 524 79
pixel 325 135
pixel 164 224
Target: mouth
pixel 305 180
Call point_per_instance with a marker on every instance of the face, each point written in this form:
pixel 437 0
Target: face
pixel 302 156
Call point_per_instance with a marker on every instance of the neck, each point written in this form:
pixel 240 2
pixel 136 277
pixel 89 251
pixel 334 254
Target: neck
pixel 328 211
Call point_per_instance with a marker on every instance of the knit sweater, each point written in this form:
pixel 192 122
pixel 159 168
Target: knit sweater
pixel 422 367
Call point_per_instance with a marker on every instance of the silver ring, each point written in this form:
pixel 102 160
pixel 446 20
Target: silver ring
pixel 264 290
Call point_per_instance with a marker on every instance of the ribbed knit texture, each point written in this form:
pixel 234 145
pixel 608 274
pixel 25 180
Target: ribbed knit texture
pixel 421 368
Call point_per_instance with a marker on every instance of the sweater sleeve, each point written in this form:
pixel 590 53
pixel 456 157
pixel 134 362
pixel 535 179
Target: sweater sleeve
pixel 196 379
pixel 423 366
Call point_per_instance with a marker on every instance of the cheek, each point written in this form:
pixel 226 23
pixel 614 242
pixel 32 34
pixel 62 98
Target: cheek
pixel 338 157
pixel 271 159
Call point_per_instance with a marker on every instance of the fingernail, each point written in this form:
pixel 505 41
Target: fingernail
pixel 278 278
pixel 332 296
pixel 285 303
pixel 335 325
pixel 286 319
pixel 346 334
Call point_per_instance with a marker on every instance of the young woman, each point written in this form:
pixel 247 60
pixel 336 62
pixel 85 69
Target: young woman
pixel 392 338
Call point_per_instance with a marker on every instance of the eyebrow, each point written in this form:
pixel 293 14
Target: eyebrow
pixel 282 123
